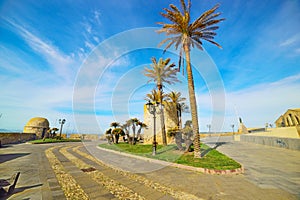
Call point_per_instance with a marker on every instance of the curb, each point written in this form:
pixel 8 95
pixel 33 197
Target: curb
pixel 191 168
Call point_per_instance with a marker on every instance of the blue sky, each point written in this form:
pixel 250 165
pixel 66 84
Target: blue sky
pixel 82 61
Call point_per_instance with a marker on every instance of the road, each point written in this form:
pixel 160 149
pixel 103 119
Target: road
pixel 82 171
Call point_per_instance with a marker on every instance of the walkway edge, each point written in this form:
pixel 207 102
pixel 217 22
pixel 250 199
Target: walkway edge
pixel 191 168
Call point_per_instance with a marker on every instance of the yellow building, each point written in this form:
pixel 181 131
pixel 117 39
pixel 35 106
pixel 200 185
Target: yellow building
pixel 37 125
pixel 290 118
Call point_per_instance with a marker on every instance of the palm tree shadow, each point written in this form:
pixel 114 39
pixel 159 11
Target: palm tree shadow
pixel 161 151
pixel 204 152
pixel 20 189
pixel 8 157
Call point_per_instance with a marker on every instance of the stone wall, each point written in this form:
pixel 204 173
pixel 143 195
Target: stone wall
pixel 282 132
pixel 85 136
pixel 288 143
pixel 10 138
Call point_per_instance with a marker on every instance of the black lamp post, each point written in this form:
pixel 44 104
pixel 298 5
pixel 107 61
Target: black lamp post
pixel 232 126
pixel 208 126
pixel 152 108
pixel 61 122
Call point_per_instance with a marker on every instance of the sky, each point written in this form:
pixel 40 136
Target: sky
pixel 83 61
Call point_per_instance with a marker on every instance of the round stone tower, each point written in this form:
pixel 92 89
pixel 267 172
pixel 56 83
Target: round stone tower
pixel 37 125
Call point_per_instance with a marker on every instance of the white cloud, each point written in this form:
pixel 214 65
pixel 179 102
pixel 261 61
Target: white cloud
pixel 265 102
pixel 256 105
pixel 60 62
pixel 97 15
pixel 290 41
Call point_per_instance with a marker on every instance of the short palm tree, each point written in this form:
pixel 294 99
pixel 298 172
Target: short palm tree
pixel 115 124
pixel 154 96
pixel 133 122
pixel 125 127
pixel 184 34
pixel 175 106
pixel 162 72
pixel 141 126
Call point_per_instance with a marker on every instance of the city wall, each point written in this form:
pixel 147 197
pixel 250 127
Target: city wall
pixel 288 143
pixel 11 138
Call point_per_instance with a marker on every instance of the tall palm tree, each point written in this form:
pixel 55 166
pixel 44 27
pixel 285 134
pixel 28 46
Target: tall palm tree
pixel 185 35
pixel 162 72
pixel 175 106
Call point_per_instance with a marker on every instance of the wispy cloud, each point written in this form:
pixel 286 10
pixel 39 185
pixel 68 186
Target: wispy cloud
pixel 290 41
pixel 256 105
pixel 57 60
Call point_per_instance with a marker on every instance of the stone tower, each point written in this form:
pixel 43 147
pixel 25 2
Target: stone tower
pixel 37 125
pixel 148 133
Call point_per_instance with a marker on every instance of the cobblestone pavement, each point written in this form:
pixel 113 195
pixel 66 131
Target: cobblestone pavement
pixel 265 166
pixel 77 171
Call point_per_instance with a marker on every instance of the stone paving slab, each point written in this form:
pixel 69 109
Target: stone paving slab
pixel 36 174
pixel 147 192
pixel 277 165
pixel 91 187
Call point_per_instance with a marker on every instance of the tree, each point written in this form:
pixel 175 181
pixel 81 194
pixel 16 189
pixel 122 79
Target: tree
pixel 141 126
pixel 115 124
pixel 117 132
pixel 161 72
pixel 133 122
pixel 125 127
pixel 184 34
pixel 175 106
pixel 154 96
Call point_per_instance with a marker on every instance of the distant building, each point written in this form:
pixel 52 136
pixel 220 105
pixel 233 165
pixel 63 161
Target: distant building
pixel 37 125
pixel 290 118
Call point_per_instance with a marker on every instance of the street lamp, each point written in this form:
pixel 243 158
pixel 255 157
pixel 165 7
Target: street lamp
pixel 208 126
pixel 232 126
pixel 152 108
pixel 61 122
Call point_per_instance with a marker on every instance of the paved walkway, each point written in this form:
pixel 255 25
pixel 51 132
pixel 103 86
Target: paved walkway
pixel 267 167
pixel 102 178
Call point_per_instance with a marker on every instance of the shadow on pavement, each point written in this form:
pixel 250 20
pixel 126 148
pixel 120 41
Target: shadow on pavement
pixel 203 153
pixel 8 157
pixel 3 146
pixel 20 189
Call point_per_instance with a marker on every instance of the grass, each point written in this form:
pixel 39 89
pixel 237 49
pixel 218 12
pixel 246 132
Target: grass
pixel 50 140
pixel 213 159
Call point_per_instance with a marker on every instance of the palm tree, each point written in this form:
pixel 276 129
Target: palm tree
pixel 125 127
pixel 161 72
pixel 185 35
pixel 175 106
pixel 115 133
pixel 154 96
pixel 133 122
pixel 115 124
pixel 141 126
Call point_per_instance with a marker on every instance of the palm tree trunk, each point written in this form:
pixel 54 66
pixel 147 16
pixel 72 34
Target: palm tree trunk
pixel 193 103
pixel 139 132
pixel 162 117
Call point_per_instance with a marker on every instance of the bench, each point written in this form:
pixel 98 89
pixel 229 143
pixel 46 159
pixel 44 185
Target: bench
pixel 7 186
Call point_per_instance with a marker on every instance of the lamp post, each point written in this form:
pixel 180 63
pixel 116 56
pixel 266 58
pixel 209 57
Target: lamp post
pixel 152 108
pixel 61 122
pixel 208 126
pixel 232 126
